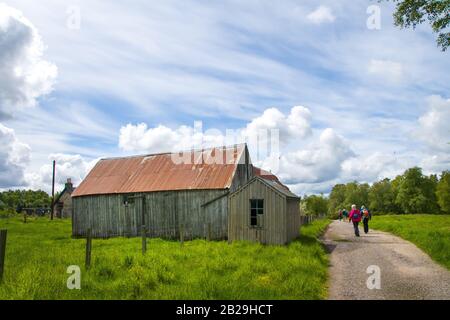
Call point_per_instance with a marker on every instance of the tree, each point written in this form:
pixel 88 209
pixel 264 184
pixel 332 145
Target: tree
pixel 410 13
pixel 443 192
pixel 382 197
pixel 356 193
pixel 336 199
pixel 415 192
pixel 13 199
pixel 315 205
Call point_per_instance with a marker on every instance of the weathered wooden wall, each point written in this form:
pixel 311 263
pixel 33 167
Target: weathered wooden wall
pixel 164 213
pixel 293 218
pixel 273 229
pixel 243 174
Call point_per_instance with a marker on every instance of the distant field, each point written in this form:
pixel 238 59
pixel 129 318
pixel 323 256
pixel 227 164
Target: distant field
pixel 39 252
pixel 429 232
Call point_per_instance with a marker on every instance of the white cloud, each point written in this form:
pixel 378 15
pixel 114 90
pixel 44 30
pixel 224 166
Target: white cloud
pixel 386 70
pixel 319 162
pixel 322 14
pixel 141 139
pixel 372 167
pixel 24 75
pixel 436 163
pixel 67 166
pixel 295 125
pixel 434 125
pixel 14 156
pixel 229 60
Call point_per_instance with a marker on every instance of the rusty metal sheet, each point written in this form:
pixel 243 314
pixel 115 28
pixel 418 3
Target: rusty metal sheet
pixel 268 176
pixel 209 169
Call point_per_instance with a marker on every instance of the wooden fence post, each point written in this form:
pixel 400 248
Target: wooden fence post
pixel 182 234
pixel 2 252
pixel 88 248
pixel 144 240
pixel 25 217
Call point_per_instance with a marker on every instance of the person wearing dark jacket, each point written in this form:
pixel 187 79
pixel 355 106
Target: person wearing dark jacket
pixel 366 217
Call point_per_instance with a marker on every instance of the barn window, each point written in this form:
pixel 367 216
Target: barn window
pixel 256 209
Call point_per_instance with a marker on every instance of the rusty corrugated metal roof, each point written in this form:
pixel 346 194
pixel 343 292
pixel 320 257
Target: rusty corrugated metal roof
pixel 268 176
pixel 202 169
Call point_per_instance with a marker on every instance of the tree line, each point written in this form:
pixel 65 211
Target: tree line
pixel 409 193
pixel 12 201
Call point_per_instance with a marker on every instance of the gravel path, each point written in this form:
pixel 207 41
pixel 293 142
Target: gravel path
pixel 406 271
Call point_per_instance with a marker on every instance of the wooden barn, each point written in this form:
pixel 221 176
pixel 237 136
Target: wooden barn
pixel 263 210
pixel 167 193
pixel 63 202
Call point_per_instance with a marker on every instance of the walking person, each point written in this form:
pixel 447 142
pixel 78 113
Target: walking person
pixel 340 215
pixel 345 213
pixel 366 217
pixel 355 217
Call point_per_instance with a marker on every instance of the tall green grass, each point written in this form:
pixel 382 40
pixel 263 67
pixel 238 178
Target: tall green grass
pixel 431 233
pixel 39 252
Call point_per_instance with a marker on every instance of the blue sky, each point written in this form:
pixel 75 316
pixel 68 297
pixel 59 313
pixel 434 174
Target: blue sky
pixel 376 101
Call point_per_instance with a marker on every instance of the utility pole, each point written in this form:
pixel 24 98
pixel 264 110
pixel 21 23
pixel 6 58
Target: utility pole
pixel 53 190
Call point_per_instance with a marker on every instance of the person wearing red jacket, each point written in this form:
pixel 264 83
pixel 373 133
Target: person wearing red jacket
pixel 355 217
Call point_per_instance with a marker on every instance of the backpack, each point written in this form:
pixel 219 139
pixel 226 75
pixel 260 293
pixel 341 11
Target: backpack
pixel 356 215
pixel 366 213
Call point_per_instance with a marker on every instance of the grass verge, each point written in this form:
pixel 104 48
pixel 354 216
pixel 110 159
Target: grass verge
pixel 39 252
pixel 431 233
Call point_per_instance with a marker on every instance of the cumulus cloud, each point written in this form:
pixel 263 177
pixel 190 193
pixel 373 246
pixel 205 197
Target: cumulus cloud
pixel 372 167
pixel 386 70
pixel 24 75
pixel 435 163
pixel 295 125
pixel 14 156
pixel 319 162
pixel 322 14
pixel 434 128
pixel 70 166
pixel 140 138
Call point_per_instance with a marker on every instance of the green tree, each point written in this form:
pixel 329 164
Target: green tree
pixel 415 192
pixel 336 199
pixel 443 192
pixel 12 199
pixel 411 13
pixel 356 193
pixel 382 197
pixel 315 205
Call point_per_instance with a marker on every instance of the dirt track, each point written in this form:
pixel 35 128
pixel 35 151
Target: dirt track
pixel 406 272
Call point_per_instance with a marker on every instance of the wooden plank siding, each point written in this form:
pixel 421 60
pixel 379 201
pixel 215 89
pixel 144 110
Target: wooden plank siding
pixel 293 218
pixel 277 226
pixel 164 213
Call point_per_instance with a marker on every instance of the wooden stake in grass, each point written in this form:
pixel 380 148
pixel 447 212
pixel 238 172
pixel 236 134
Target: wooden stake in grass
pixel 25 217
pixel 144 240
pixel 88 248
pixel 2 252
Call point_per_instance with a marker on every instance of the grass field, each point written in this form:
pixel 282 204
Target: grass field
pixel 431 233
pixel 39 252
